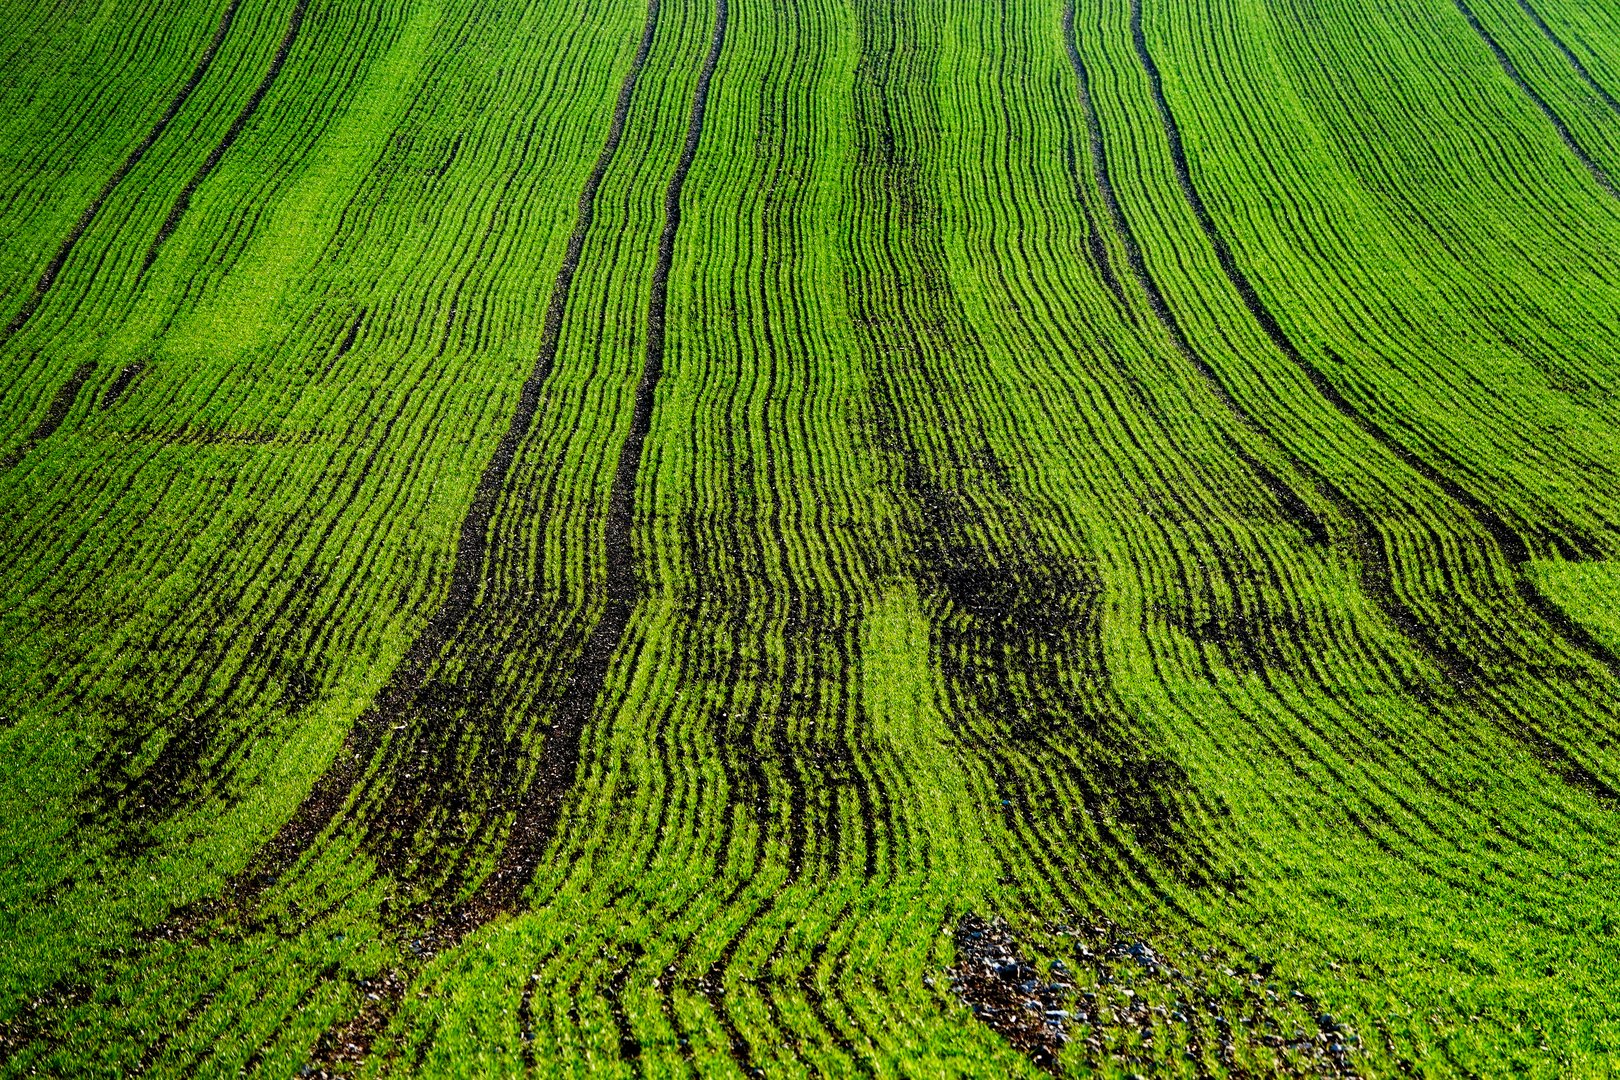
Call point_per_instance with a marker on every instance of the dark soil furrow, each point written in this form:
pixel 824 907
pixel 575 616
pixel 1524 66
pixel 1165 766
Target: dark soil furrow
pixel 1574 61
pixel 1376 574
pixel 536 821
pixel 1016 619
pixel 1293 506
pixel 66 395
pixel 331 791
pixel 1463 670
pixel 122 384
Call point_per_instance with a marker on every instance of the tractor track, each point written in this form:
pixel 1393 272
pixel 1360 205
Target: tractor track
pixel 537 818
pixel 1558 43
pixel 1546 110
pixel 1463 672
pixel 535 824
pixel 61 404
pixel 331 792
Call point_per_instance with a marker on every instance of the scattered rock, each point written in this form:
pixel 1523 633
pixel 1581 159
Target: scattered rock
pixel 1005 990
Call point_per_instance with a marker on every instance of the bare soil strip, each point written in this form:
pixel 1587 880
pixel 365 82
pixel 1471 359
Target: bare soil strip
pixel 48 278
pixel 332 790
pixel 536 821
pixel 122 383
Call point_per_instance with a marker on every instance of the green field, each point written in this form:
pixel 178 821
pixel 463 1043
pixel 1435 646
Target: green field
pixel 810 537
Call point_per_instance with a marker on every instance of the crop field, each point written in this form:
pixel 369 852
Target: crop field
pixel 809 537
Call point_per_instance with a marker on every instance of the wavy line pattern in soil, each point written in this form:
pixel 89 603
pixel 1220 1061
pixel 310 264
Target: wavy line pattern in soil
pixel 1463 670
pixel 1558 43
pixel 1512 71
pixel 182 202
pixel 122 383
pixel 954 587
pixel 1025 679
pixel 1292 504
pixel 48 278
pixel 57 412
pixel 332 790
pixel 548 784
pixel 536 821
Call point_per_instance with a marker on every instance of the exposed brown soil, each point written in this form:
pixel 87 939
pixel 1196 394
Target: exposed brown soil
pixel 1005 990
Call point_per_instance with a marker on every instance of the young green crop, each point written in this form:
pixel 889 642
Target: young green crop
pixel 551 540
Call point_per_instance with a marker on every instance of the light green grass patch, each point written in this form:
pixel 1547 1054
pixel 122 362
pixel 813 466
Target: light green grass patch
pixel 1588 592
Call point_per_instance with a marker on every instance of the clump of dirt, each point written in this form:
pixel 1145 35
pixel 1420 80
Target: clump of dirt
pixel 39 1014
pixel 1116 1002
pixel 342 1050
pixel 1208 1012
pixel 1006 991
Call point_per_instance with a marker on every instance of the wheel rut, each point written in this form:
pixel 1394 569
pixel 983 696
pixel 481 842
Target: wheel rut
pixel 376 781
pixel 1512 72
pixel 1293 506
pixel 536 822
pixel 1015 602
pixel 60 405
pixel 122 384
pixel 1558 43
pixel 332 791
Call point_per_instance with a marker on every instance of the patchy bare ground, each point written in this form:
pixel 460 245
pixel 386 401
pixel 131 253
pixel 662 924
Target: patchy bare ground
pixel 1006 991
pixel 1118 1003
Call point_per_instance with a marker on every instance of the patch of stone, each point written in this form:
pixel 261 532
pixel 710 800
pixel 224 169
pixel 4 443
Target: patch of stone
pixel 1006 991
